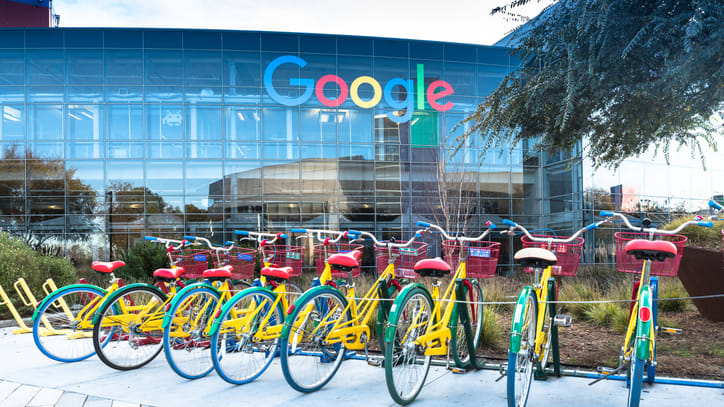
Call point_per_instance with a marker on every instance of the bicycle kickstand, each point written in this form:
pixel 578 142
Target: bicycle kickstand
pixel 607 374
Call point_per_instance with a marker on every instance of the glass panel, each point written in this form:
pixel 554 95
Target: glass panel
pixel 12 65
pixel 355 126
pixel 493 55
pixel 203 123
pixel 165 177
pixel 46 177
pixel 164 122
pixel 280 42
pixel 124 93
pixel 202 40
pixel 83 149
pixel 12 123
pixel 124 67
pixel 243 151
pixel 281 178
pixel 320 151
pixel 320 177
pixel 320 124
pixel 84 66
pixel 201 177
pixel 461 77
pixel 202 95
pixel 204 150
pixel 84 93
pixel 356 177
pixel 122 39
pixel 46 122
pixel 44 38
pixel 164 149
pixel 84 176
pixel 83 122
pixel 49 150
pixel 242 69
pixel 45 66
pixel 489 78
pixel 357 151
pixel 243 123
pixel 243 95
pixel 45 93
pixel 462 53
pixel 121 172
pixel 391 48
pixel 202 68
pixel 10 94
pixel 281 123
pixel 124 150
pixel 318 44
pixel 12 39
pixel 354 46
pixel 239 40
pixel 162 39
pixel 163 67
pixel 124 122
pixel 164 94
pixel 280 151
pixel 241 178
pixel 426 50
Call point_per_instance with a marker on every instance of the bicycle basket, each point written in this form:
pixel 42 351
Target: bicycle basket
pixel 404 258
pixel 334 248
pixel 285 256
pixel 243 260
pixel 627 263
pixel 193 260
pixel 482 257
pixel 568 255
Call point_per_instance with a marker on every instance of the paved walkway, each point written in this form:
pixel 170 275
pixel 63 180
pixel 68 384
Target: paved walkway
pixel 31 379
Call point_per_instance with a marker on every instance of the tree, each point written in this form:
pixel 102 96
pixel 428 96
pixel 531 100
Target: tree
pixel 623 74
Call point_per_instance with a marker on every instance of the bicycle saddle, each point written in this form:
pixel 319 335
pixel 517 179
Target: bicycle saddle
pixel 345 262
pixel 658 250
pixel 168 275
pixel 106 266
pixel 277 274
pixel 535 257
pixel 218 274
pixel 436 267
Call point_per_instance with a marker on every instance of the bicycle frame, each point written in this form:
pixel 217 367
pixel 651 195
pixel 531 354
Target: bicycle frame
pixel 540 288
pixel 644 331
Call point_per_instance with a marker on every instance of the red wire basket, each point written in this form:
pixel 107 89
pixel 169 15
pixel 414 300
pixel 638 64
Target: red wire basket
pixel 285 256
pixel 482 257
pixel 405 259
pixel 193 260
pixel 334 248
pixel 628 263
pixel 568 255
pixel 243 260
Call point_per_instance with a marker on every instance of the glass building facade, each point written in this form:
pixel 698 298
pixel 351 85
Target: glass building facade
pixel 108 135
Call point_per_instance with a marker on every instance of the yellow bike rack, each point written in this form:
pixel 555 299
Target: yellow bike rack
pixel 28 299
pixel 6 301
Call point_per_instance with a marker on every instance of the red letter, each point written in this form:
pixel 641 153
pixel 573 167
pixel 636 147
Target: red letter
pixel 432 97
pixel 343 90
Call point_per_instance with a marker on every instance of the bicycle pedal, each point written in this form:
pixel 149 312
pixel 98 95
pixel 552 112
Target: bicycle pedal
pixel 605 369
pixel 562 320
pixel 457 370
pixel 667 330
pixel 375 362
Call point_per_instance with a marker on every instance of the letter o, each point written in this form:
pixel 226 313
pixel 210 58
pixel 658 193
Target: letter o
pixel 376 97
pixel 343 90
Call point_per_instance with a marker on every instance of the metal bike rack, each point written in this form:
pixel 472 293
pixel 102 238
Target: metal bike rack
pixel 28 299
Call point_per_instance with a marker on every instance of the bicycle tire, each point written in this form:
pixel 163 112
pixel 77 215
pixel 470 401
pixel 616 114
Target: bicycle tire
pixel 123 338
pixel 542 363
pixel 383 314
pixel 60 347
pixel 458 339
pixel 635 375
pixel 405 373
pixel 520 364
pixel 236 357
pixel 188 351
pixel 307 363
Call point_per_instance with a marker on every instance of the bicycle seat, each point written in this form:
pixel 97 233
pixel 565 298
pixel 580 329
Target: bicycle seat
pixel 168 275
pixel 658 250
pixel 277 274
pixel 535 257
pixel 106 266
pixel 436 267
pixel 344 262
pixel 218 274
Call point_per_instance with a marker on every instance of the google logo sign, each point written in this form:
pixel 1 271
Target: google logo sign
pixel 415 95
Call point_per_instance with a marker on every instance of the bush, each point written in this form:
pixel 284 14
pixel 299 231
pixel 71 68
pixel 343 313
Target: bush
pixel 672 288
pixel 18 260
pixel 141 260
pixel 491 334
pixel 699 236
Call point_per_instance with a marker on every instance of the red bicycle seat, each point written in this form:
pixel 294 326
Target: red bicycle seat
pixel 169 274
pixel 651 249
pixel 349 259
pixel 277 272
pixel 436 267
pixel 106 266
pixel 221 272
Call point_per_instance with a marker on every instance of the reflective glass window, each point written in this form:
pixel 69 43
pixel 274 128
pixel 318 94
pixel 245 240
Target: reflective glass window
pixel 489 78
pixel 354 45
pixel 44 38
pixel 45 93
pixel 357 151
pixel 426 50
pixel 281 79
pixel 242 41
pixel 122 39
pixel 12 39
pixel 243 95
pixel 163 94
pixel 12 65
pixel 165 177
pixel 243 151
pixel 87 176
pixel 461 77
pixel 277 42
pixel 124 122
pixel 124 93
pixel 281 178
pixel 12 123
pixel 45 66
pixel 201 176
pixel 162 39
pixel 280 124
pixel 84 66
pixel 318 44
pixel 355 126
pixel 124 149
pixel 280 151
pixel 493 55
pixel 206 94
pixel 202 68
pixel 49 150
pixel 349 68
pixel 204 150
pixel 320 125
pixel 83 38
pixel 203 123
pixel 242 69
pixel 320 151
pixel 164 122
pixel 391 48
pixel 45 122
pixel 164 149
pixel 120 172
pixel 11 94
pixel 163 67
pixel 242 178
pixel 243 123
pixel 202 39
pixel 83 149
pixel 83 122
pixel 124 67
pixel 84 93
pixel 461 53
pixel 319 184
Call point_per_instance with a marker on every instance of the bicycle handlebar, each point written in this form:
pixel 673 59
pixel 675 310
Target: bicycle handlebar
pixel 609 215
pixel 319 232
pixel 358 234
pixel 569 239
pixel 715 205
pixel 489 224
pixel 259 236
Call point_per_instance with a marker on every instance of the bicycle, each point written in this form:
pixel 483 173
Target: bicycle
pixel 648 251
pixel 325 326
pixel 534 330
pixel 423 324
pixel 246 333
pixel 63 321
pixel 127 324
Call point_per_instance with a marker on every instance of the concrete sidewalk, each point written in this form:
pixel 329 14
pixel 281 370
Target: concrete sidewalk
pixel 356 384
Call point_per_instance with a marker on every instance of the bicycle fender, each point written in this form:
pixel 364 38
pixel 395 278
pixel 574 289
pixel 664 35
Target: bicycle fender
pixel 217 319
pixel 516 329
pixel 119 292
pixel 390 330
pixel 167 316
pixel 62 289
pixel 644 329
pixel 301 300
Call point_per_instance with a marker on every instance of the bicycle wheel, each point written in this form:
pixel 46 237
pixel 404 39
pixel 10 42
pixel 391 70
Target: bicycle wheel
pixel 127 333
pixel 186 342
pixel 293 292
pixel 635 375
pixel 309 360
pixel 521 364
pixel 406 365
pixel 459 341
pixel 238 356
pixel 542 362
pixel 62 328
pixel 383 314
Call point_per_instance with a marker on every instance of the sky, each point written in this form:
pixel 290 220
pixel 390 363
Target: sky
pixel 463 21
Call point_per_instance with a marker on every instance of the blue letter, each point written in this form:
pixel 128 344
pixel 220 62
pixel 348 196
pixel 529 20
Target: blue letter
pixel 308 83
pixel 408 103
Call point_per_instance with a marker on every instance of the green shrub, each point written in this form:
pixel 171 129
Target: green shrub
pixel 18 260
pixel 491 334
pixel 699 236
pixel 141 260
pixel 672 288
pixel 605 314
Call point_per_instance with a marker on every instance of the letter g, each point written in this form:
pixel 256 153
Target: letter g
pixel 308 84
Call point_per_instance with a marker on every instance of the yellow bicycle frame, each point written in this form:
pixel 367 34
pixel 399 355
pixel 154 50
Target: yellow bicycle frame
pixel 633 318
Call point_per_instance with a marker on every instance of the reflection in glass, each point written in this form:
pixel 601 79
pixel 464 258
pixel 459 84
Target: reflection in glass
pixel 203 123
pixel 45 122
pixel 164 122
